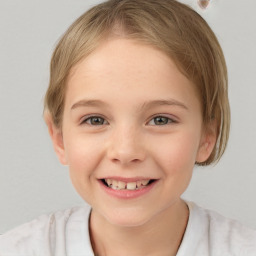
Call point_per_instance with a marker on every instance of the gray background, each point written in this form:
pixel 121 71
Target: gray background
pixel 32 181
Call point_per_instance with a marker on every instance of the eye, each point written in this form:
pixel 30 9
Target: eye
pixel 161 120
pixel 94 120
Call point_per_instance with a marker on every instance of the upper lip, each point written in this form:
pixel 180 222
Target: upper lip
pixel 126 179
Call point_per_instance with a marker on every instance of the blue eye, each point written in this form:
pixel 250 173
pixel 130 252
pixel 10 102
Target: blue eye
pixel 160 120
pixel 95 120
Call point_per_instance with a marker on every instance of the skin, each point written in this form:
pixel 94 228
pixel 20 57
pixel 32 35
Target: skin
pixel 127 85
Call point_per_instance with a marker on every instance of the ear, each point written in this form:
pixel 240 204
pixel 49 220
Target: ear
pixel 57 138
pixel 208 141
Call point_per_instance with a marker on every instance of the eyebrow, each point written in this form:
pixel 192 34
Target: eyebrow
pixel 88 103
pixel 169 102
pixel 146 105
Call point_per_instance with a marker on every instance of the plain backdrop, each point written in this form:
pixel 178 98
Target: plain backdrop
pixel 32 182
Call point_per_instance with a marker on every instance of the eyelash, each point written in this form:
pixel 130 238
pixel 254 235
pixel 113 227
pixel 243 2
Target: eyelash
pixel 167 119
pixel 89 120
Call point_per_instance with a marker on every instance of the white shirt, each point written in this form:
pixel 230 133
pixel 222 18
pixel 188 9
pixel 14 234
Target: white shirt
pixel 66 233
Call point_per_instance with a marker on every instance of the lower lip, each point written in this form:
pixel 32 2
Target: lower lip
pixel 127 194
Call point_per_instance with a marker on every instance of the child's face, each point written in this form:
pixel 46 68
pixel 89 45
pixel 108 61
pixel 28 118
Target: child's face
pixel 130 116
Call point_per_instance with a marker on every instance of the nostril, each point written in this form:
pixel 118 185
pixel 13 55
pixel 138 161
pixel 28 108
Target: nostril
pixel 136 160
pixel 125 160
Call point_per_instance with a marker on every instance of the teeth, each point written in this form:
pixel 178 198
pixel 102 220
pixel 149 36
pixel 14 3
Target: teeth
pixel 120 185
pixel 115 184
pixel 142 183
pixel 131 186
pixel 109 182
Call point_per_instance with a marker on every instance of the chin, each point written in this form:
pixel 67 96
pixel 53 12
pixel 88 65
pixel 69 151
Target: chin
pixel 129 217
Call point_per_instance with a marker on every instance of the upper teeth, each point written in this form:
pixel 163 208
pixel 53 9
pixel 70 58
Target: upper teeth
pixel 118 185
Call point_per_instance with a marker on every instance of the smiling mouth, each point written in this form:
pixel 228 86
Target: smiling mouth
pixel 121 185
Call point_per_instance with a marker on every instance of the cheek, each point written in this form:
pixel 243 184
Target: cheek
pixel 83 158
pixel 83 155
pixel 178 153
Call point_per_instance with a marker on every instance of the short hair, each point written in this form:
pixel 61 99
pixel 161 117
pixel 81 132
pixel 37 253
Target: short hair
pixel 168 25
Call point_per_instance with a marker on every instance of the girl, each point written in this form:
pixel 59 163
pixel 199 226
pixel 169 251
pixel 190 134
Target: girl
pixel 137 97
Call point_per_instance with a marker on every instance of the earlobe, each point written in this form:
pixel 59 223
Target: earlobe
pixel 56 137
pixel 207 143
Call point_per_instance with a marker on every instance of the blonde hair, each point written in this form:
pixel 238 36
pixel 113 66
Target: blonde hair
pixel 168 25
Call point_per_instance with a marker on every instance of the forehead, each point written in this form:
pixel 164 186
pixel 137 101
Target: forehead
pixel 129 68
pixel 130 56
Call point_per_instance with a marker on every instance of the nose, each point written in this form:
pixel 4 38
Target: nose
pixel 126 146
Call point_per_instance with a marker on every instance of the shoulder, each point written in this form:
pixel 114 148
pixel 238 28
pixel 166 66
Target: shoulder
pixel 219 235
pixel 45 234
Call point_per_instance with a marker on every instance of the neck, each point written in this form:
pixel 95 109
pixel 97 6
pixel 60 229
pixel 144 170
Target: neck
pixel 161 235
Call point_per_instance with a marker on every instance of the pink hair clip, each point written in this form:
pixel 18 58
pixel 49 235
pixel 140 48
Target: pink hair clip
pixel 203 3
